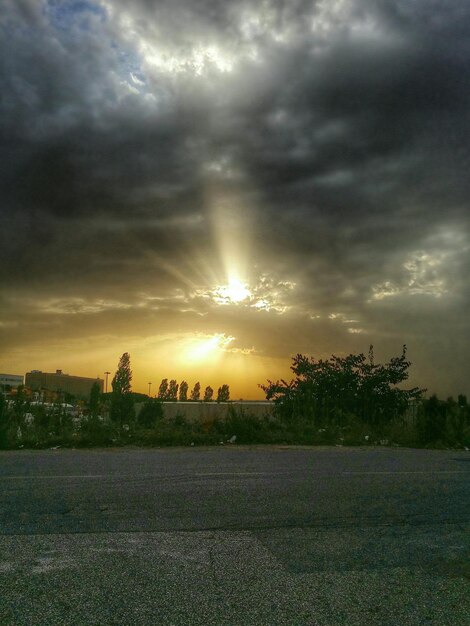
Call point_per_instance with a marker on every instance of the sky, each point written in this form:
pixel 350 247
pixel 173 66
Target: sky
pixel 217 186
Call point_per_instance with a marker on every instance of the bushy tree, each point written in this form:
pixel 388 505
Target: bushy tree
pixel 183 391
pixel 122 403
pixel 327 391
pixel 172 390
pixel 196 392
pixel 208 394
pixel 223 393
pixel 163 389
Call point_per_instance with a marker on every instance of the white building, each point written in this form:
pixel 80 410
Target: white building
pixel 10 380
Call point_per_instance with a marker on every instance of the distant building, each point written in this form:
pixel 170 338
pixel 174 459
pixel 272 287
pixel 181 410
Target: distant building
pixel 77 386
pixel 10 380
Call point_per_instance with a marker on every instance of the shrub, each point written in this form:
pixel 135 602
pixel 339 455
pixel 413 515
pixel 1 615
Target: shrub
pixel 150 414
pixel 97 432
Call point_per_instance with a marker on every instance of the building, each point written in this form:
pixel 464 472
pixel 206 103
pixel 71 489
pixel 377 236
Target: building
pixel 10 381
pixel 77 386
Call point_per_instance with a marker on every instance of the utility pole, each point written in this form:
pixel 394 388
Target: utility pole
pixel 149 384
pixel 107 374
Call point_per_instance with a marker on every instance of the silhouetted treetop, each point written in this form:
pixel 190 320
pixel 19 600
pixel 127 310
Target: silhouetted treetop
pixel 208 394
pixel 196 392
pixel 121 382
pixel 223 394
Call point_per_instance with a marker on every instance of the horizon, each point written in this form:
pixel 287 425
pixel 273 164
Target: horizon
pixel 153 392
pixel 217 188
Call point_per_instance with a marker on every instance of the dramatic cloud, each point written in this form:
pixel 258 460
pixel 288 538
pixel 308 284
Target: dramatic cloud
pixel 252 179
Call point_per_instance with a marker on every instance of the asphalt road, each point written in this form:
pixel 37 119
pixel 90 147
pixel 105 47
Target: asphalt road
pixel 235 535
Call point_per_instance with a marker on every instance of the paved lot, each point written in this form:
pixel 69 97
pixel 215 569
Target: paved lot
pixel 235 535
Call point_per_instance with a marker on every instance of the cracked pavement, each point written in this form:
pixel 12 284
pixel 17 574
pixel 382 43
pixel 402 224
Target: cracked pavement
pixel 240 535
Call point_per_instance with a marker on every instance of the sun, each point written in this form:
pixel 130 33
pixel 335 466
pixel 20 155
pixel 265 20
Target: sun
pixel 234 292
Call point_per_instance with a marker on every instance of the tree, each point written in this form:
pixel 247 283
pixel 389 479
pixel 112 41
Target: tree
pixel 94 401
pixel 183 391
pixel 432 422
pixel 462 400
pixel 19 404
pixel 4 422
pixel 326 391
pixel 121 382
pixel 454 422
pixel 172 390
pixel 223 394
pixel 151 412
pixel 122 403
pixel 196 392
pixel 208 393
pixel 163 389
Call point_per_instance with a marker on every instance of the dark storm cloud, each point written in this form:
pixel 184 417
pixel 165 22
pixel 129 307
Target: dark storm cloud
pixel 341 128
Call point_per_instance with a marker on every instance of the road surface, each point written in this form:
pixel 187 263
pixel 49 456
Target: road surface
pixel 235 535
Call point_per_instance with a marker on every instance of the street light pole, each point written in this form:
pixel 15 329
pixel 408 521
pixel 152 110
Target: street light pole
pixel 107 374
pixel 149 384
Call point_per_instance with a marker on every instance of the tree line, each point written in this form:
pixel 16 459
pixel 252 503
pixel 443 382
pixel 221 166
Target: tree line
pixel 170 391
pixel 122 403
pixel 341 400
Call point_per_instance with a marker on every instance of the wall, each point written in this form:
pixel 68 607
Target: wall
pixel 200 411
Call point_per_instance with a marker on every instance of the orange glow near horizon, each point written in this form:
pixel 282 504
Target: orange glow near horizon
pixel 212 362
pixel 208 359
